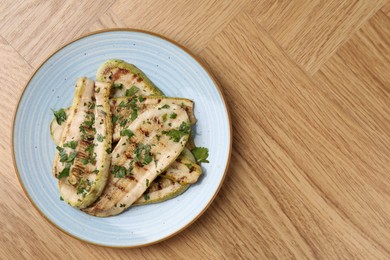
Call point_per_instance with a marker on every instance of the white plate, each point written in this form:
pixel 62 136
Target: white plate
pixel 177 73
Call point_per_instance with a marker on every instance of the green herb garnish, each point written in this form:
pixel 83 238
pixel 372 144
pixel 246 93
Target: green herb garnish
pixel 114 119
pixel 100 138
pixel 177 134
pixel 164 107
pixel 134 114
pixel 71 144
pixel 131 91
pixel 117 85
pixel 60 115
pixel 126 132
pixel 200 154
pixel 173 115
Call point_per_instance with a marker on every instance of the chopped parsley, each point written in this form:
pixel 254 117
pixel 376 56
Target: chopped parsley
pixel 146 196
pixel 97 90
pixel 65 171
pixel 189 165
pixel 108 150
pixel 141 98
pixel 71 156
pixel 71 144
pixel 134 114
pixel 200 154
pixel 100 137
pixel 123 122
pixel 131 91
pixel 166 106
pixel 127 132
pixel 164 117
pixel 158 137
pixel 114 118
pixel 60 115
pixel 121 171
pixel 147 182
pixel 143 154
pixel 173 115
pixel 117 86
pixel 177 134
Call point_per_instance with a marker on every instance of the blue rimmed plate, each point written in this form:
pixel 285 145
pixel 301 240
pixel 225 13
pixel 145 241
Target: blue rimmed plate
pixel 177 73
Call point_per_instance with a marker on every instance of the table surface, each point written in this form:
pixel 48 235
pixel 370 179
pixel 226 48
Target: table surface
pixel 308 88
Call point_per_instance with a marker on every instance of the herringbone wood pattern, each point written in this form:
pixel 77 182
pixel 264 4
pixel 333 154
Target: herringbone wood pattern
pixel 308 87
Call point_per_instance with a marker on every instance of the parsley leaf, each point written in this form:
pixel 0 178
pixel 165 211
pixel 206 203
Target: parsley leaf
pixel 71 156
pixel 127 132
pixel 143 154
pixel 134 114
pixel 200 154
pixel 141 98
pixel 173 115
pixel 177 134
pixel 164 117
pixel 65 171
pixel 71 144
pixel 131 91
pixel 114 118
pixel 117 85
pixel 100 137
pixel 164 107
pixel 146 196
pixel 123 122
pixel 60 115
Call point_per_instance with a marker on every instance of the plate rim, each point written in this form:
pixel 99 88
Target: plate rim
pixel 185 49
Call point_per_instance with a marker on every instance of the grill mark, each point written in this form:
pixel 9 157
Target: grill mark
pixel 119 73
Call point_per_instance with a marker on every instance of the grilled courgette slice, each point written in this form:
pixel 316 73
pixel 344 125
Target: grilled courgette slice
pixel 127 79
pixel 83 159
pixel 162 188
pixel 125 109
pixel 147 147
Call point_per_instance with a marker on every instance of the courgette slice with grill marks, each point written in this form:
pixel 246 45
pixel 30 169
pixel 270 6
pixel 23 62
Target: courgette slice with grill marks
pixel 83 159
pixel 162 188
pixel 127 79
pixel 126 109
pixel 149 145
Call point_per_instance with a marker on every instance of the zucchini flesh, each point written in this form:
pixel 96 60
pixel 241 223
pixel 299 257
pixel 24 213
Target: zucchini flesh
pixel 122 113
pixel 127 78
pixel 83 159
pixel 124 108
pixel 162 188
pixel 131 171
pixel 183 171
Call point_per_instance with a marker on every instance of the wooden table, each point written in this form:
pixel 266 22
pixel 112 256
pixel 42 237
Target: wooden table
pixel 308 87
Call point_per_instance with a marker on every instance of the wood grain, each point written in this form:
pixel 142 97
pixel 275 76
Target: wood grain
pixel 311 31
pixel 308 87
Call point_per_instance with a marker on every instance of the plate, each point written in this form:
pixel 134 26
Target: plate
pixel 177 73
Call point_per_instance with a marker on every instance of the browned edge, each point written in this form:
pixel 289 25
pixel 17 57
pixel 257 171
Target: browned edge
pixel 189 53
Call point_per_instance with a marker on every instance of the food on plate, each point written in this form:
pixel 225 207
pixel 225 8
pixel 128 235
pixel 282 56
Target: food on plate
pixel 126 78
pixel 146 149
pixel 123 143
pixel 83 158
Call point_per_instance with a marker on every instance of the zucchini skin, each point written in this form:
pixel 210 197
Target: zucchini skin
pixel 118 71
pixel 83 185
pixel 149 130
